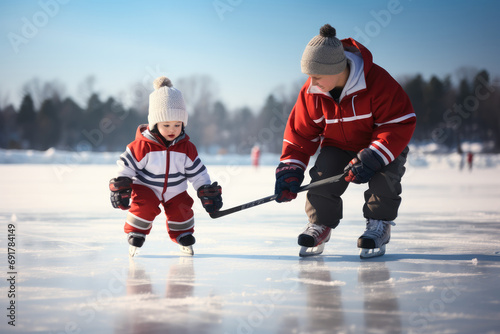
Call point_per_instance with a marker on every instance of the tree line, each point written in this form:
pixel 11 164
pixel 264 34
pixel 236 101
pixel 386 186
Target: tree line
pixel 450 115
pixel 447 114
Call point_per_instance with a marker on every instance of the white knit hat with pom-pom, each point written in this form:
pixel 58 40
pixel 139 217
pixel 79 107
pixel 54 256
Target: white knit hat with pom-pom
pixel 166 103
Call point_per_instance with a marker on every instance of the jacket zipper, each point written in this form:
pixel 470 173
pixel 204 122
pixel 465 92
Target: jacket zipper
pixel 341 123
pixel 340 120
pixel 167 168
pixel 353 111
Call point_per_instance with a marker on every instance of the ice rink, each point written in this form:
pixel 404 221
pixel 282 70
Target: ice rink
pixel 70 271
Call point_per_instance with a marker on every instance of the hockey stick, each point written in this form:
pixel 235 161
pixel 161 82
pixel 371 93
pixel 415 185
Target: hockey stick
pixel 248 205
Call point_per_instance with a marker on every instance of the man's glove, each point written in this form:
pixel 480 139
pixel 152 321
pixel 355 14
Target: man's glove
pixel 121 189
pixel 362 168
pixel 211 197
pixel 288 181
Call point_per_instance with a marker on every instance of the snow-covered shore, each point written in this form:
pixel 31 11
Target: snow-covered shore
pixel 419 158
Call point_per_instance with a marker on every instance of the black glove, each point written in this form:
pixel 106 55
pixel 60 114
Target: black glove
pixel 362 168
pixel 121 189
pixel 211 197
pixel 288 181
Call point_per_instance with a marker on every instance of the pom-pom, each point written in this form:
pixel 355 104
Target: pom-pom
pixel 162 82
pixel 327 31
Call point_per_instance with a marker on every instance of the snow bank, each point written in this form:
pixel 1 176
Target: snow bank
pixel 53 156
pixel 418 158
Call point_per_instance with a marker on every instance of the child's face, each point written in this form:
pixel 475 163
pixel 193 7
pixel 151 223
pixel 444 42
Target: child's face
pixel 170 130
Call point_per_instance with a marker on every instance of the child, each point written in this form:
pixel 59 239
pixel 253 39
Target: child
pixel 154 169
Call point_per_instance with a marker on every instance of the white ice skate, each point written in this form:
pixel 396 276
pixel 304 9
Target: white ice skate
pixel 132 250
pixel 313 239
pixel 136 240
pixel 375 237
pixel 188 250
pixel 186 242
pixel 311 251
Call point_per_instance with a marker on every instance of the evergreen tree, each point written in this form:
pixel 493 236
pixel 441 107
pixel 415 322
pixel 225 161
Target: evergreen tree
pixel 243 131
pixel 461 118
pixel 480 88
pixel 271 125
pixel 221 121
pixel 487 109
pixel 48 125
pixel 415 90
pixel 71 118
pixel 9 135
pixel 26 121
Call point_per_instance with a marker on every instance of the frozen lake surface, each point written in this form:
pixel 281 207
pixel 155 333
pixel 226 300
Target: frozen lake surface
pixel 72 273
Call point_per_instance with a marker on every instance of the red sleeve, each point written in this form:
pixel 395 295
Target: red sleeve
pixel 394 119
pixel 302 133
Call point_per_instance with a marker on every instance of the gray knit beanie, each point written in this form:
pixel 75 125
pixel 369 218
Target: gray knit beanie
pixel 166 103
pixel 324 54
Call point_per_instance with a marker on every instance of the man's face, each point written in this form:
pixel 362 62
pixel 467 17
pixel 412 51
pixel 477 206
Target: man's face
pixel 326 82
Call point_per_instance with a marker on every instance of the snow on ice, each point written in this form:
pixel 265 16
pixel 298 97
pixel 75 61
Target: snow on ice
pixel 73 275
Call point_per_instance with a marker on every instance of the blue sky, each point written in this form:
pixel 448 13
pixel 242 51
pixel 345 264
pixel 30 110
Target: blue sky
pixel 249 48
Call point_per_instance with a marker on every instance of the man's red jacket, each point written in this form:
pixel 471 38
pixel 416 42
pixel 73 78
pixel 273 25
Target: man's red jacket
pixel 373 112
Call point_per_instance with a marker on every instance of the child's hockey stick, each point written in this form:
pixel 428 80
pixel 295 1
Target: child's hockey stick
pixel 248 205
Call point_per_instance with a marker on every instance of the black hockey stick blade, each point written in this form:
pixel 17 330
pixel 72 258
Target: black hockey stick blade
pixel 260 201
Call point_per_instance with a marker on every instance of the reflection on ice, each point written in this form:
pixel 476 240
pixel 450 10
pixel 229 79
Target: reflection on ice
pixel 381 307
pixel 324 297
pixel 174 310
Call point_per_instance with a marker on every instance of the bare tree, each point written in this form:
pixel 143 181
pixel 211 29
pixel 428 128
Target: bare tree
pixel 4 100
pixel 40 92
pixel 199 91
pixel 287 94
pixel 86 88
pixel 138 98
pixel 467 73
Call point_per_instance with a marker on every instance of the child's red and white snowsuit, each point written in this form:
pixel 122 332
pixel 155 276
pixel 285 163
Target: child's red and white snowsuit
pixel 160 176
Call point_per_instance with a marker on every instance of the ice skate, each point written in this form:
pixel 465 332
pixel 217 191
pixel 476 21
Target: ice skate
pixel 136 240
pixel 375 237
pixel 186 243
pixel 313 239
pixel 132 250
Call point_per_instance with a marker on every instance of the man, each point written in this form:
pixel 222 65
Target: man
pixel 363 121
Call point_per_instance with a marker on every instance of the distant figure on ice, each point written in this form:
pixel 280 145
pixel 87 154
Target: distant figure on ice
pixel 255 156
pixel 155 169
pixel 363 120
pixel 470 160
